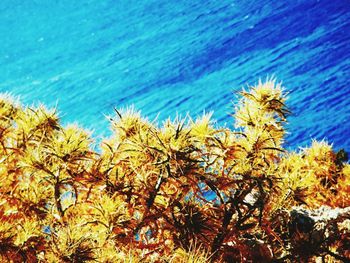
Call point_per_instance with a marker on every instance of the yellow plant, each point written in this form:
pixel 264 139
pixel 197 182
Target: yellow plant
pixel 182 191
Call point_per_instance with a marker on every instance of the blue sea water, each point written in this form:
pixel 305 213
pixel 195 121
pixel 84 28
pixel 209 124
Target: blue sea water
pixel 172 57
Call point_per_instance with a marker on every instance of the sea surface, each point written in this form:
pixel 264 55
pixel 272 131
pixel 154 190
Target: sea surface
pixel 174 57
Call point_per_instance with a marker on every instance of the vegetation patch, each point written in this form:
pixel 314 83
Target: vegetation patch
pixel 185 191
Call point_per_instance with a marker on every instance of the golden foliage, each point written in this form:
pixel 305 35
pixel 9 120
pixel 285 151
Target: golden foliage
pixel 183 192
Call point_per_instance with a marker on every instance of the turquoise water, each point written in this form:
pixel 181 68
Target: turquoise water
pixel 171 57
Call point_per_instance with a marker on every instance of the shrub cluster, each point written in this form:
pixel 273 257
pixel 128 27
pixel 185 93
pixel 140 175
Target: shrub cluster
pixel 184 191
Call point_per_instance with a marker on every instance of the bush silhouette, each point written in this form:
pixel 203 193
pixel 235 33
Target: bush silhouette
pixel 183 192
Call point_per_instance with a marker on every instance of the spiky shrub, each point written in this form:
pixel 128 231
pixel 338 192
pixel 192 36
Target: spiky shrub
pixel 183 192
